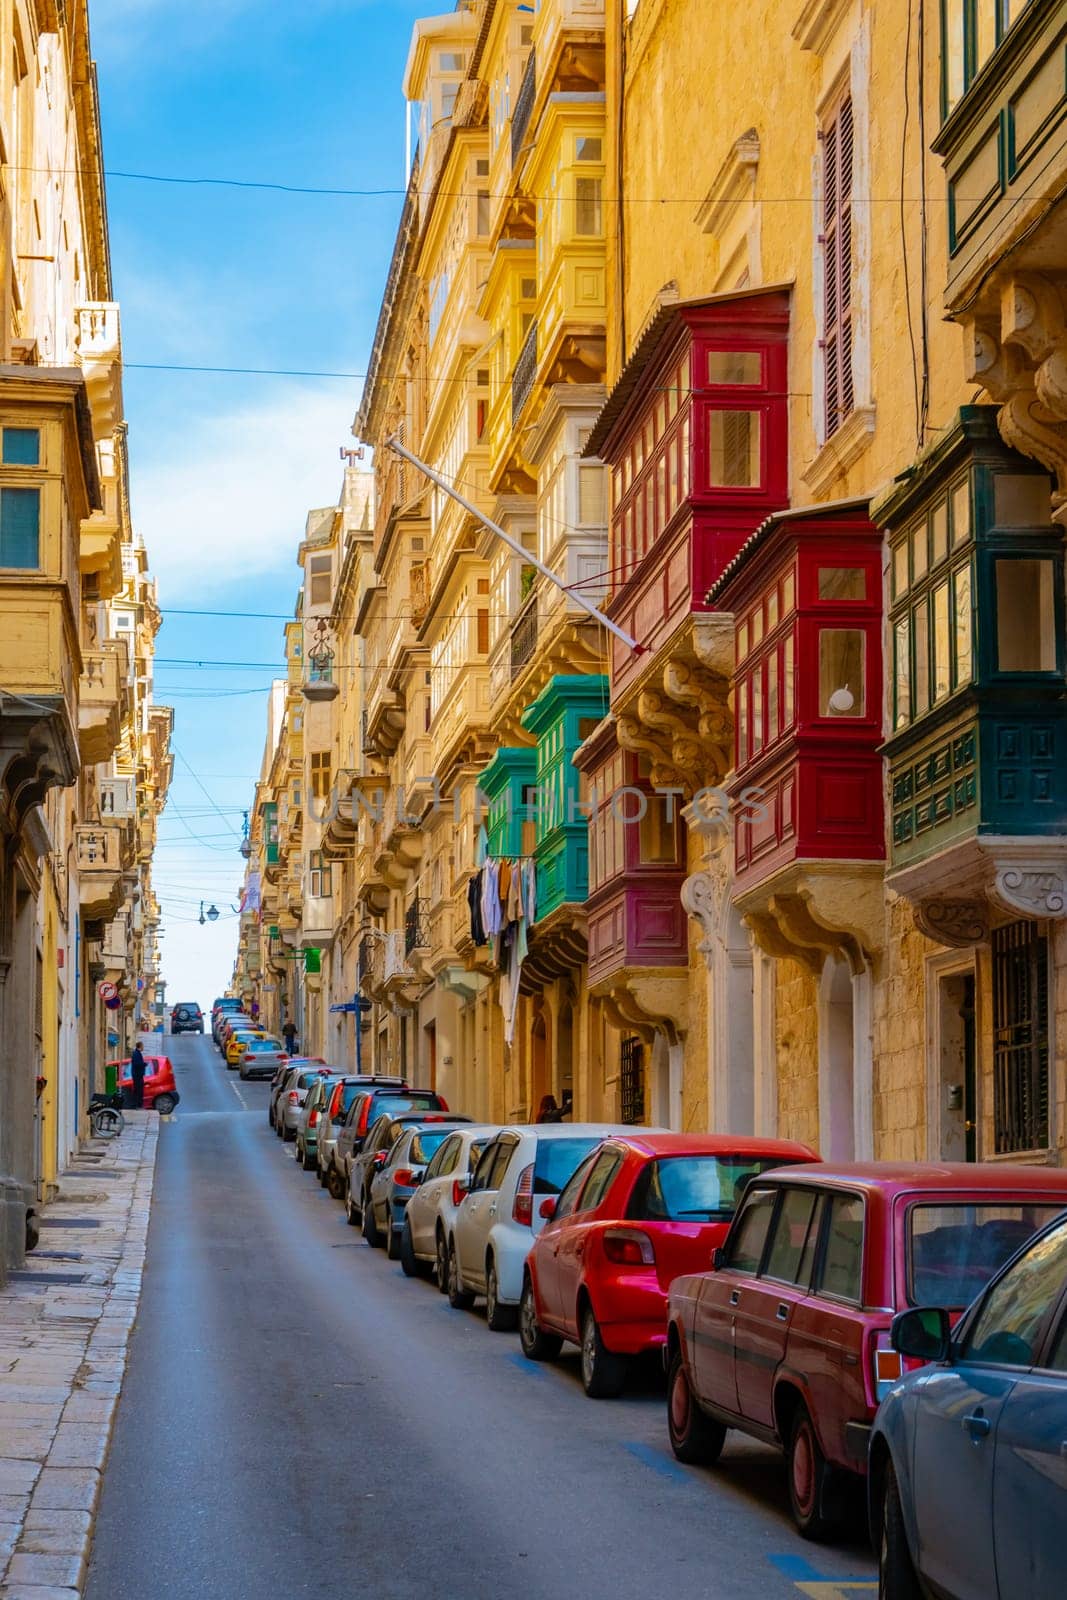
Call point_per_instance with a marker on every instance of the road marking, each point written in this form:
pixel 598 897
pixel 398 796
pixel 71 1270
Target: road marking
pixel 238 1093
pixel 660 1462
pixel 532 1369
pixel 819 1585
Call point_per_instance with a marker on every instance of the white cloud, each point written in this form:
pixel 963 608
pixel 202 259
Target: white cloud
pixel 230 497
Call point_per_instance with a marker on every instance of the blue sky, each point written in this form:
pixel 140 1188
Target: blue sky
pixel 224 468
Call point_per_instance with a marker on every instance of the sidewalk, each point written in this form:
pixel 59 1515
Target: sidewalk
pixel 65 1324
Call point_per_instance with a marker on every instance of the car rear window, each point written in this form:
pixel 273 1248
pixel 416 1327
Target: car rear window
pixel 693 1188
pixel 954 1250
pixel 265 1046
pixel 556 1160
pixel 306 1079
pixel 394 1104
pixel 348 1094
pixel 423 1145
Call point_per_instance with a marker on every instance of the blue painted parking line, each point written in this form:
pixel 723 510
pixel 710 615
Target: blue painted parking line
pixel 532 1369
pixel 821 1585
pixel 795 1567
pixel 660 1462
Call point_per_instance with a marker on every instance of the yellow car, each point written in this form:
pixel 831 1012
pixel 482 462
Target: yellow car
pixel 235 1045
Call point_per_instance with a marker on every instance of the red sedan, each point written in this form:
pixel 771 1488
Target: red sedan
pixel 160 1091
pixel 641 1210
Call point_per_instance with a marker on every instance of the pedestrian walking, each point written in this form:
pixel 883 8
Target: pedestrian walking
pixel 137 1072
pixel 289 1032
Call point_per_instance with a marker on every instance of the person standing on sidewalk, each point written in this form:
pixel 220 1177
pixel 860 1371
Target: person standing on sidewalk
pixel 289 1032
pixel 137 1072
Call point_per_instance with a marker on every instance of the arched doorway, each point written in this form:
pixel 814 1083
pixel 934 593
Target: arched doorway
pixel 563 1085
pixel 540 1062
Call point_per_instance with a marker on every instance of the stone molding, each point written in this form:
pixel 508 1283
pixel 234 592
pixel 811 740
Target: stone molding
pixel 953 922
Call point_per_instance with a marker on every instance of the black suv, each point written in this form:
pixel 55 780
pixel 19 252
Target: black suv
pixel 187 1017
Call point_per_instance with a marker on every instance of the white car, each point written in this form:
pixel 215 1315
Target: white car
pixel 432 1208
pixel 501 1211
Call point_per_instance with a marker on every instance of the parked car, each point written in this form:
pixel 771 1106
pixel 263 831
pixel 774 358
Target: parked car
pixel 364 1111
pixel 160 1091
pixel 393 1183
pixel 237 1042
pixel 186 1017
pixel 219 1013
pixel 373 1154
pixel 787 1338
pixel 261 1057
pixel 501 1213
pixel 230 1024
pixel 431 1211
pixel 638 1212
pixel 342 1093
pixel 294 1092
pixel 968 1463
pixel 277 1083
pixel 310 1120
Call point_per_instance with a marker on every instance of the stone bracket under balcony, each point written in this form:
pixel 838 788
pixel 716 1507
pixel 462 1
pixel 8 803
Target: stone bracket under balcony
pixel 38 752
pixel 99 345
pixel 557 946
pixel 100 553
pixel 678 712
pixel 957 895
pixel 1017 350
pixel 648 1001
pixel 814 909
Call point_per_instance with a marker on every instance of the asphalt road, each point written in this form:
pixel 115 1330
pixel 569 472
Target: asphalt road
pixel 300 1419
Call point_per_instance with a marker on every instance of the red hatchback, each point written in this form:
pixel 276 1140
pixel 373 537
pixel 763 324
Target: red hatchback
pixel 640 1209
pixel 787 1338
pixel 160 1091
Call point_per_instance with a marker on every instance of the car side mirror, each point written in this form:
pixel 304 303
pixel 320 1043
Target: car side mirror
pixel 379 1158
pixel 718 1258
pixel 925 1334
pixel 548 1207
pixel 466 1183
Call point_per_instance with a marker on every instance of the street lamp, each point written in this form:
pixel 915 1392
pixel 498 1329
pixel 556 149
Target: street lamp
pixel 211 915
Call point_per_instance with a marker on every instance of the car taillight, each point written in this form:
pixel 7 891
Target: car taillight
pixel 443 1103
pixel 458 1191
pixel 522 1210
pixel 313 1117
pixel 888 1366
pixel 404 1178
pixel 629 1247
pixel 294 1098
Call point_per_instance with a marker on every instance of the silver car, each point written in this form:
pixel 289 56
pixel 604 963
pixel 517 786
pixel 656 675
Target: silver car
pixel 290 1101
pixel 277 1084
pixel 398 1178
pixel 310 1120
pixel 262 1058
pixel 344 1091
pixel 431 1211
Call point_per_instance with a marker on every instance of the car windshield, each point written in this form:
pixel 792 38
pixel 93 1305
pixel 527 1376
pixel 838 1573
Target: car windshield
pixel 556 1160
pixel 423 1145
pixel 693 1188
pixel 954 1250
pixel 348 1094
pixel 265 1046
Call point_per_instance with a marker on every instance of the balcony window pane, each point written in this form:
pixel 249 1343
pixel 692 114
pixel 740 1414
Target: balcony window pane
pixel 20 528
pixel 741 368
pixel 587 207
pixel 673 486
pixel 961 512
pixel 22 447
pixel 588 150
pixel 734 449
pixel 939 533
pixel 942 644
pixel 962 584
pixel 1022 500
pixel 921 635
pixel 901 674
pixel 742 641
pixel 900 569
pixel 657 836
pixel 742 723
pixel 953 50
pixel 482 213
pixel 772 609
pixel 592 507
pixel 919 555
pixel 661 489
pixel 841 653
pixel 686 479
pixel 789 593
pixel 757 710
pixel 1026 639
pixel 757 625
pixel 772 697
pixel 985 30
pixel 842 583
pixel 788 684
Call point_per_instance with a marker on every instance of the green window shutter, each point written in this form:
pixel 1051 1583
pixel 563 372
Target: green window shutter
pixel 312 960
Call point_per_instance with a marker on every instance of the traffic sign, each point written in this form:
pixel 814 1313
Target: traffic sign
pixel 108 991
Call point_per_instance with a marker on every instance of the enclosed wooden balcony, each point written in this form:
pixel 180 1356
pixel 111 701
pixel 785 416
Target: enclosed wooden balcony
pixel 99 858
pixel 101 696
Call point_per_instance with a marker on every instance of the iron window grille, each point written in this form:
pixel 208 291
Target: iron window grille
pixel 1020 1038
pixel 632 1086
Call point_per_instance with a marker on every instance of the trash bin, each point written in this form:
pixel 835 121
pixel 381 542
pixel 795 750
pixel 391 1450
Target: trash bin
pixel 111 1079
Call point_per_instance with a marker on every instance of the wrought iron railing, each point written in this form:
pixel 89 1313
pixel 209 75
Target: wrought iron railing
pixel 524 636
pixel 415 925
pixel 525 371
pixel 520 117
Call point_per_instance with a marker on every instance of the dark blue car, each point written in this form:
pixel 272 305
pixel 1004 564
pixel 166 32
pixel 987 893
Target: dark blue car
pixel 968 1458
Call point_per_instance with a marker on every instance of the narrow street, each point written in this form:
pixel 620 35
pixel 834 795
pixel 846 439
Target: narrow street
pixel 299 1419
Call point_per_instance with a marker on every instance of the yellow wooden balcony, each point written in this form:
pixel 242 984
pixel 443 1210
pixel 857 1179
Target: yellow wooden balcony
pixel 100 706
pixel 99 856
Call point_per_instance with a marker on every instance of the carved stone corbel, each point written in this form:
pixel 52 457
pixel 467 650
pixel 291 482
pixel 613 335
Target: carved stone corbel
pixel 648 1003
pixel 633 734
pixel 953 922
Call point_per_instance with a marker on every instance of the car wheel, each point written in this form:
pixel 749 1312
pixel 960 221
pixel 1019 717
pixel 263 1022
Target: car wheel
pixel 695 1438
pixel 164 1104
pixel 603 1372
pixel 459 1299
pixel 350 1214
pixel 499 1317
pixel 371 1231
pixel 440 1265
pixel 392 1242
pixel 409 1261
pixel 897 1578
pixel 288 1134
pixel 810 1479
pixel 536 1345
pixel 335 1184
pixel 277 1127
pixel 308 1161
pixel 242 1074
pixel 321 1172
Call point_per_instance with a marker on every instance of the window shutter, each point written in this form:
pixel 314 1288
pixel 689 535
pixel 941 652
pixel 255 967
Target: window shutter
pixel 837 140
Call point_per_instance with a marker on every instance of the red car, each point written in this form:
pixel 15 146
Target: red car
pixel 160 1091
pixel 639 1210
pixel 787 1337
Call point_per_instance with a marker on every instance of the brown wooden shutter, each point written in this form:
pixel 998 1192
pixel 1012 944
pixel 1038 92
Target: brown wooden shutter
pixel 837 140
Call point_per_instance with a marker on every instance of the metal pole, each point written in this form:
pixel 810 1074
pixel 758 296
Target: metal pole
pixel 514 544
